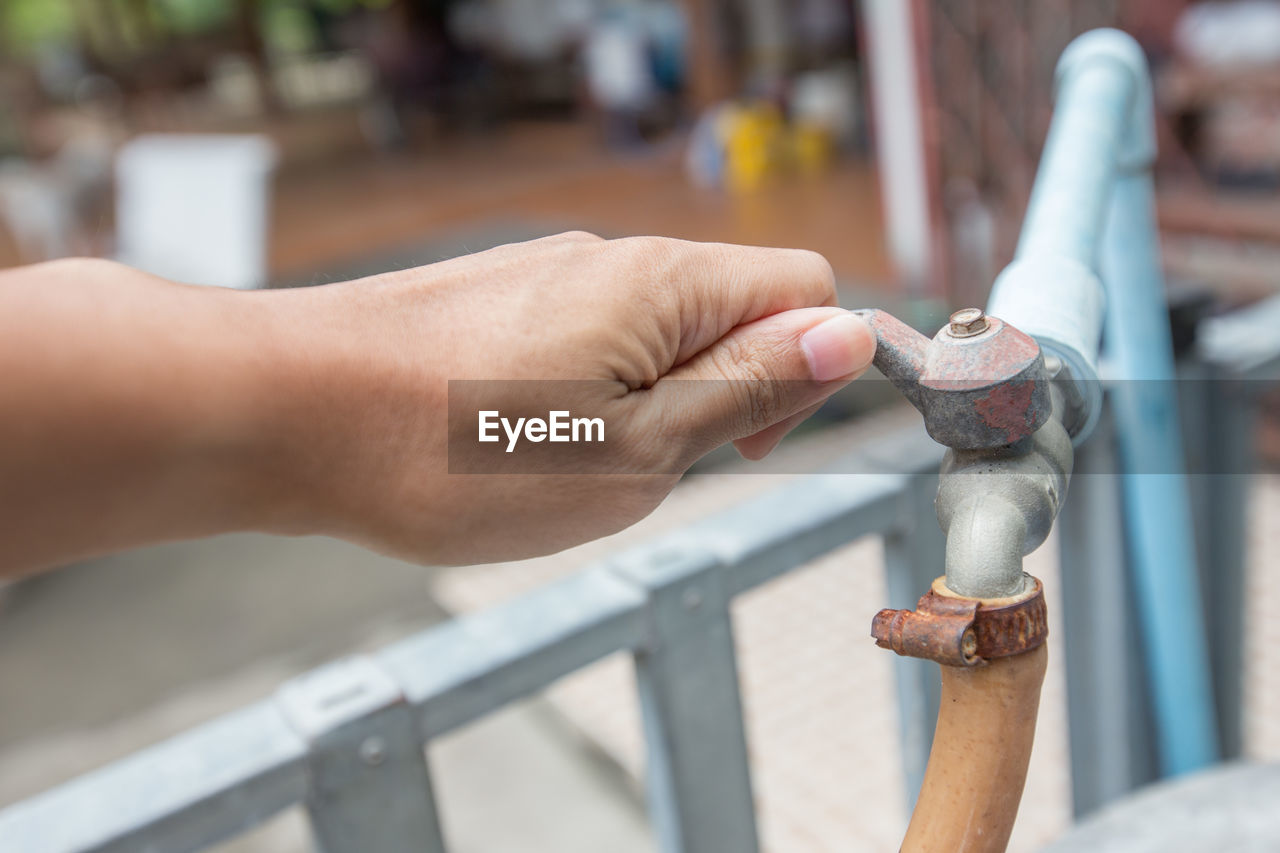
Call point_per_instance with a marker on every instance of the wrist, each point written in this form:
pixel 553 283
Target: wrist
pixel 332 410
pixel 236 419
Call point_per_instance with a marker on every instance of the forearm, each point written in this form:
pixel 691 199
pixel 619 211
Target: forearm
pixel 135 410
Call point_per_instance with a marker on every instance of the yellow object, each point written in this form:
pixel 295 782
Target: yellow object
pixel 812 148
pixel 754 139
pixel 758 145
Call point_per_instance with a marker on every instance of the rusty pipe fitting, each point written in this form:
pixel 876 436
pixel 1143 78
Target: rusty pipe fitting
pixel 956 631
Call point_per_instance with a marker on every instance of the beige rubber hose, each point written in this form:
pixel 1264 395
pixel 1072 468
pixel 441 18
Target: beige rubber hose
pixel 978 764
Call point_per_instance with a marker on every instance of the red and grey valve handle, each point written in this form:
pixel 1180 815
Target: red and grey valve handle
pixel 980 383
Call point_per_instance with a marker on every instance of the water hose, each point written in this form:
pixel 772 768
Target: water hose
pixel 993 658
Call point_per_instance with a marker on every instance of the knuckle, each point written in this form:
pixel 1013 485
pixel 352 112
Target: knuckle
pixel 579 237
pixel 85 266
pixel 655 265
pixel 647 447
pixel 817 269
pixel 652 254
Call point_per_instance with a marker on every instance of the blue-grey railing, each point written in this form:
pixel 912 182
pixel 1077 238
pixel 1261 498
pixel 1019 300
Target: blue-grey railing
pixel 347 739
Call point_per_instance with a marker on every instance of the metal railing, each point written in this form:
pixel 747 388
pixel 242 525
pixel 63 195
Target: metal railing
pixel 348 738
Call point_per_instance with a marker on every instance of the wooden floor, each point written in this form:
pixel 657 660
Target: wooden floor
pixel 557 174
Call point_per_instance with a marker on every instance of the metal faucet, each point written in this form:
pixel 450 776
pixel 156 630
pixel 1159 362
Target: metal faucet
pixel 988 394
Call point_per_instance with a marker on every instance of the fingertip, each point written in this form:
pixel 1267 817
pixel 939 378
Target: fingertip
pixel 753 448
pixel 839 347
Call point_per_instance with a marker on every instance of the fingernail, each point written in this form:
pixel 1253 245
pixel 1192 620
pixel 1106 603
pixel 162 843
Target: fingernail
pixel 836 347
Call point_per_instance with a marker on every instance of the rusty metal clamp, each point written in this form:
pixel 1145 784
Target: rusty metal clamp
pixel 956 631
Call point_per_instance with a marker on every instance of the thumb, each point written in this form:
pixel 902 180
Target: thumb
pixel 762 373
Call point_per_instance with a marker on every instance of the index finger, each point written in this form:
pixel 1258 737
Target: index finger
pixel 717 287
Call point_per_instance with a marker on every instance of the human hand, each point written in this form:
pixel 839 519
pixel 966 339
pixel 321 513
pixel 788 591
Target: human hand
pixel 610 329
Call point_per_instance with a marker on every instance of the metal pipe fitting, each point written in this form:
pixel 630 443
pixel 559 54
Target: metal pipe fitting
pixel 961 631
pixel 1102 127
pixel 996 506
pixel 985 534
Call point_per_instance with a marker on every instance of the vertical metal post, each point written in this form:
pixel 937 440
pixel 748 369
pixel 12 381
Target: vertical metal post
pixel 370 788
pixel 914 554
pixel 698 772
pixel 1234 352
pixel 1112 747
pixel 1162 552
pixel 1218 417
pixel 1233 422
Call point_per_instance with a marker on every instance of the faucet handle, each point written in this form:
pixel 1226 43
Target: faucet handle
pixel 980 383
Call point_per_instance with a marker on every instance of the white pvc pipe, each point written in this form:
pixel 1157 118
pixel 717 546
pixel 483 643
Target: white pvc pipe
pixel 895 101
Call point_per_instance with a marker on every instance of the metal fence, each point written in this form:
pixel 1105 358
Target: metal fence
pixel 347 739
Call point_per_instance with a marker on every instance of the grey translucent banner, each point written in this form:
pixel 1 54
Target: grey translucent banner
pixel 605 427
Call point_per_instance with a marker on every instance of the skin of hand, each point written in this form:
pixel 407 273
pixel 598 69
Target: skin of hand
pixel 138 410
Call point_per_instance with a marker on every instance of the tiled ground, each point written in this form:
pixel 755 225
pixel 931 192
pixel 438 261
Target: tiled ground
pixel 818 694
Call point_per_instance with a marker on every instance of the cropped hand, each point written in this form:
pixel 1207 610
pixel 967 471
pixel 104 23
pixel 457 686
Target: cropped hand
pixel 142 410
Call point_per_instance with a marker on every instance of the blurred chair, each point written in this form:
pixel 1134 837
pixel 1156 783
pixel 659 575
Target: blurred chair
pixel 193 208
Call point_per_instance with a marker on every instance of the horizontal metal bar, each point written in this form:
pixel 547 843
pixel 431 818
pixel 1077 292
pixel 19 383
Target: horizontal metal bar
pixel 479 662
pixel 462 670
pixel 788 527
pixel 791 526
pixel 1244 342
pixel 203 786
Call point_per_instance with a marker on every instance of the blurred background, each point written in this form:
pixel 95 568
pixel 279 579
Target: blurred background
pixel 745 120
pixel 281 143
